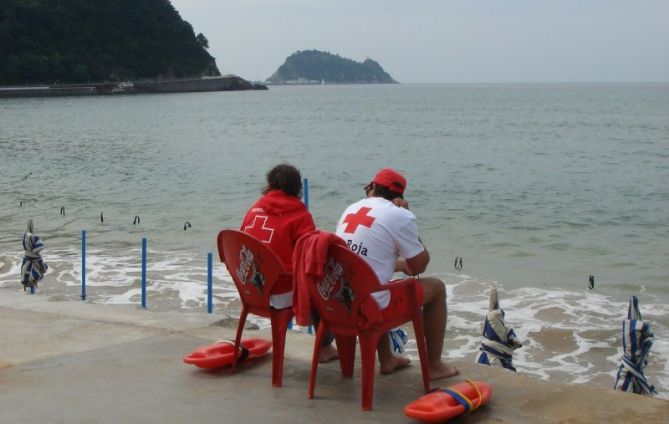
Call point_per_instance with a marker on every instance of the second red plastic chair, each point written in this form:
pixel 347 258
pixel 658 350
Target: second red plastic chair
pixel 347 309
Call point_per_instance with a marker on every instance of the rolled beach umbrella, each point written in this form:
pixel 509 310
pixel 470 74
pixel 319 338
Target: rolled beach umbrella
pixel 498 342
pixel 33 267
pixel 399 339
pixel 637 341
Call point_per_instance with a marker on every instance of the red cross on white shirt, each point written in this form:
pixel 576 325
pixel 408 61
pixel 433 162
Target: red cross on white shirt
pixel 353 220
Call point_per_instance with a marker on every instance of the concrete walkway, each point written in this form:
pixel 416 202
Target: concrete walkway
pixel 72 362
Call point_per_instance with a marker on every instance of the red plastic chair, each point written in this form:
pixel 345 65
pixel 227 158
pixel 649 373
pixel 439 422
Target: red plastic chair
pixel 347 309
pixel 255 269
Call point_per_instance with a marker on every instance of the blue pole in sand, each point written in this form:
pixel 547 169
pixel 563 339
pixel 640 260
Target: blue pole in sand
pixel 306 203
pixel 210 305
pixel 144 273
pixel 306 192
pixel 83 265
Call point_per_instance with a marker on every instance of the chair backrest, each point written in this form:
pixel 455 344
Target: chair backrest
pixel 345 287
pixel 253 266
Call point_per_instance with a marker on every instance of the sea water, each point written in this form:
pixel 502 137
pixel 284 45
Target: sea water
pixel 535 187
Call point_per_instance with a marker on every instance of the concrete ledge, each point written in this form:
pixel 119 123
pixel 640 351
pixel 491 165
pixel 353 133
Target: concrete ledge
pixel 78 362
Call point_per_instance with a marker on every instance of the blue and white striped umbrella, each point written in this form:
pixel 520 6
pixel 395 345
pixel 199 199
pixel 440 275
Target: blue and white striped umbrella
pixel 498 341
pixel 637 341
pixel 399 338
pixel 33 267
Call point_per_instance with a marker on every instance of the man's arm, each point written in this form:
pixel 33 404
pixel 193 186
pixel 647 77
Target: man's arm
pixel 418 264
pixel 401 266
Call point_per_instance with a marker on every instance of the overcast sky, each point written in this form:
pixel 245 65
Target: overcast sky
pixel 445 40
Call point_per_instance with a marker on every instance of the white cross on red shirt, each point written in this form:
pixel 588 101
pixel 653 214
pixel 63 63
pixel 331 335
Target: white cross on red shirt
pixel 259 230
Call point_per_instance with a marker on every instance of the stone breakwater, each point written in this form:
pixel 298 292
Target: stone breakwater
pixel 227 83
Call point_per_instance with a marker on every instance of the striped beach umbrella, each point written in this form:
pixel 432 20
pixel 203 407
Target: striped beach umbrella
pixel 399 339
pixel 637 341
pixel 498 341
pixel 33 267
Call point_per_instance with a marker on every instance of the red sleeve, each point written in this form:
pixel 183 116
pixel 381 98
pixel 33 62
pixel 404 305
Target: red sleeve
pixel 305 224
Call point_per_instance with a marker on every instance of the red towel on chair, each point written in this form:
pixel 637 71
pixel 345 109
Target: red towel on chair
pixel 309 256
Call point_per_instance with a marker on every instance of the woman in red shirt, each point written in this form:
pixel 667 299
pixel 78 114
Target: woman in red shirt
pixel 279 218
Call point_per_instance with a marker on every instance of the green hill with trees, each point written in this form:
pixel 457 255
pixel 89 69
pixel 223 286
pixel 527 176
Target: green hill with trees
pixel 314 66
pixel 76 41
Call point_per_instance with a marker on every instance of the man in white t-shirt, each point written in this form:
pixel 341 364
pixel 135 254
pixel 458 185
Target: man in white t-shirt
pixel 382 230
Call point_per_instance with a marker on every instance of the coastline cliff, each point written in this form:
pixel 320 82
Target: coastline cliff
pixel 77 41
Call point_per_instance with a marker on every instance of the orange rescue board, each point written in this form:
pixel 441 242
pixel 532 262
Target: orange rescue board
pixel 221 353
pixel 444 404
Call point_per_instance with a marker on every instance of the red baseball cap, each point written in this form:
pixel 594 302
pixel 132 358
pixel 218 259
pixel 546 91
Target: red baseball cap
pixel 392 179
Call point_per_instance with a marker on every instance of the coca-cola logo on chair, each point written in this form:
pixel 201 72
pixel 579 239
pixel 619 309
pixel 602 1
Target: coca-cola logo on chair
pixel 248 270
pixel 335 284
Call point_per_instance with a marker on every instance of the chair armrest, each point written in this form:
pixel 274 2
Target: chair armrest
pixel 400 283
pixel 408 284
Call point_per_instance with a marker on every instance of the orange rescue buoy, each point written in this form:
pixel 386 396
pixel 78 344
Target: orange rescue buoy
pixel 443 404
pixel 221 353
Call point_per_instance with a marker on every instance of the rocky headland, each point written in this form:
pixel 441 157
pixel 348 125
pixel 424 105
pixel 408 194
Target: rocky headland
pixel 318 67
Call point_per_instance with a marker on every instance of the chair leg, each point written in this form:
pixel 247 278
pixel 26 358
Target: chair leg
pixel 422 350
pixel 238 337
pixel 368 343
pixel 280 319
pixel 346 349
pixel 320 333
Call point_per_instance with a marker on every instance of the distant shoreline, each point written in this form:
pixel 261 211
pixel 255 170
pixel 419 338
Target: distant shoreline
pixel 329 83
pixel 189 85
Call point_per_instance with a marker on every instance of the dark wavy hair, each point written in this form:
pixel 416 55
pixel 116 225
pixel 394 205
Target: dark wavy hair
pixel 382 191
pixel 286 178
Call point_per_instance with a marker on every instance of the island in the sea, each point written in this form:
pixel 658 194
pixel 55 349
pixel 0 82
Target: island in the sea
pixel 73 47
pixel 318 67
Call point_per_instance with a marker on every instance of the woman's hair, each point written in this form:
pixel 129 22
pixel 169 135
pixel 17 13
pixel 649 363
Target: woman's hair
pixel 286 178
pixel 385 192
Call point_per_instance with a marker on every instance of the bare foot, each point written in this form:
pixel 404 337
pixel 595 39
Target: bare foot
pixel 328 353
pixel 442 371
pixel 396 363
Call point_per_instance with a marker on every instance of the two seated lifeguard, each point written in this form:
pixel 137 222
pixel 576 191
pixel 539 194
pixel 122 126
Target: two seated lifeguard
pixel 380 228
